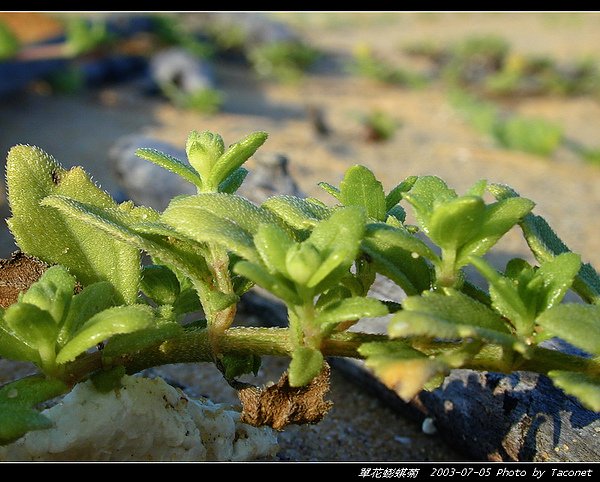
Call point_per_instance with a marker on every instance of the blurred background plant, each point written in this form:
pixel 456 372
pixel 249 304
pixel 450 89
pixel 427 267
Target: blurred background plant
pixel 528 134
pixel 488 65
pixel 283 61
pixel 366 64
pixel 9 44
pixel 379 126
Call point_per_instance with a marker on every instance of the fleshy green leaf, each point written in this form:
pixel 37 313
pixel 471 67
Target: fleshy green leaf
pixel 122 226
pixel 455 222
pixel 360 188
pixel 575 323
pixel 48 234
pixel 298 213
pixel 272 244
pixel 120 319
pixel 16 399
pixel 170 163
pixel 350 309
pixel 301 262
pixel 557 276
pixel 160 284
pixel 93 299
pixel 581 385
pixel 398 215
pixel 203 149
pixel 226 219
pixel 545 244
pixel 106 380
pixel 236 155
pixel 275 284
pixel 30 391
pixel 137 341
pixel 505 296
pixel 419 324
pixel 391 236
pixel 399 255
pixel 332 296
pixel 455 307
pixel 478 189
pixel 237 365
pixel 52 292
pixel 498 218
pixel 337 240
pixel 306 364
pixel 186 302
pixel 232 183
pixel 16 421
pixel 231 207
pixel 426 192
pixel 400 367
pixel 395 195
pixel 13 348
pixel 328 188
pixel 34 327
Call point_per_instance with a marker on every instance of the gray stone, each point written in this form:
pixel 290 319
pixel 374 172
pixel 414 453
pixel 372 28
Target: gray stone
pixel 186 71
pixel 142 181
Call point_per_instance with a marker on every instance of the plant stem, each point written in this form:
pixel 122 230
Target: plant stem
pixel 194 346
pixel 219 320
pixel 445 271
pixel 543 360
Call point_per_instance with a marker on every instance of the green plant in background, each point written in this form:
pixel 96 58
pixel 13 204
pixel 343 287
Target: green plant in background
pixel 9 43
pixel 85 36
pixel 170 31
pixel 226 36
pixel 206 250
pixel 488 66
pixel 472 59
pixel 380 126
pixel 527 134
pixel 425 48
pixel 284 61
pixel 206 101
pixel 366 64
pixel 67 81
pixel 591 155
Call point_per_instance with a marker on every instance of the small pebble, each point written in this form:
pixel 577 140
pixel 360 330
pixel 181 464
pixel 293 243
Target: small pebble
pixel 402 440
pixel 428 426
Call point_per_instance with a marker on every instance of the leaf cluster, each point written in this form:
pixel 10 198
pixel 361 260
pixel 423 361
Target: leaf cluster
pixel 320 260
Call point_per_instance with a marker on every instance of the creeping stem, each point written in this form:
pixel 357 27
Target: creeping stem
pixel 195 346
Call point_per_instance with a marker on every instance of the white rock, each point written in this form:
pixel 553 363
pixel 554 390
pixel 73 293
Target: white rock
pixel 176 65
pixel 144 420
pixel 428 426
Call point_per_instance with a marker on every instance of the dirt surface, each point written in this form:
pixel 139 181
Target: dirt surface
pixel 432 139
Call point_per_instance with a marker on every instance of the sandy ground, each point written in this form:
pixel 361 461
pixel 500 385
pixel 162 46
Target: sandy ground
pixel 432 139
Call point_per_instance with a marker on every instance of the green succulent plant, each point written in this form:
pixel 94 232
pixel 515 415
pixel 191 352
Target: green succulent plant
pixel 210 248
